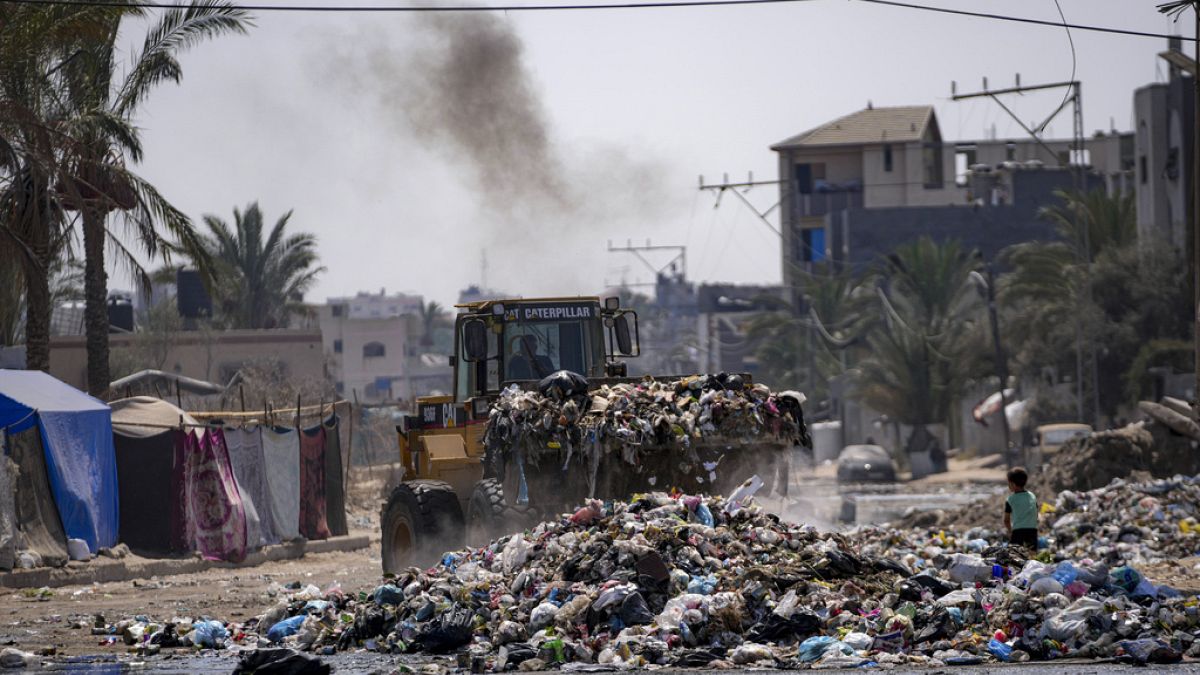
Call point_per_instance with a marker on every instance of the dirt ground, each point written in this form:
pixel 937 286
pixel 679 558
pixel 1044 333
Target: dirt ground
pixel 60 620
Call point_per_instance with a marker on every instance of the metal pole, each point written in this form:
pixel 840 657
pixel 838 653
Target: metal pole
pixel 1001 363
pixel 1196 207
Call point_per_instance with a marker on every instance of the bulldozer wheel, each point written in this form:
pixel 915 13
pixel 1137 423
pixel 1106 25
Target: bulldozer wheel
pixel 422 518
pixel 489 516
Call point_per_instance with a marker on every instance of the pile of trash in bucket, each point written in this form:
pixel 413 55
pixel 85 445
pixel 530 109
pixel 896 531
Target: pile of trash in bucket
pixel 563 414
pixel 689 581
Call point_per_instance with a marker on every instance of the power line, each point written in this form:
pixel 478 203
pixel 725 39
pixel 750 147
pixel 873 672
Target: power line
pixel 648 4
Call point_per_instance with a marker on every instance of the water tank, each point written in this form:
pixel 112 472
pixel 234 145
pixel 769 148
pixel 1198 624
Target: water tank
pixel 191 296
pixel 120 315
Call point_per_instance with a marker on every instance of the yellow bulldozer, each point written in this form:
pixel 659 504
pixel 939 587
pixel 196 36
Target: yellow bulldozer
pixel 455 489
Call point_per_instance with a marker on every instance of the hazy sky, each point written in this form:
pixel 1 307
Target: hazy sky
pixel 412 144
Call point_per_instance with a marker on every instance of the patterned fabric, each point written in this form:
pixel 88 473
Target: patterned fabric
pixel 281 449
pixel 335 486
pixel 246 454
pixel 37 515
pixel 312 484
pixel 214 505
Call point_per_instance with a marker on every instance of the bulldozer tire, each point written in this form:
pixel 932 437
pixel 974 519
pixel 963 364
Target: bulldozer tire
pixel 422 518
pixel 490 517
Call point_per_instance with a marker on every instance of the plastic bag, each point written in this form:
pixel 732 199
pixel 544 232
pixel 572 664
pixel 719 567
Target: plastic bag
pixel 703 585
pixel 967 567
pixel 515 554
pixel 285 628
pixel 751 653
pixel 1045 586
pixel 279 661
pixel 859 641
pixel 742 494
pixel 211 633
pixel 635 611
pixel 562 384
pixel 812 648
pixel 1000 650
pixel 962 596
pixel 387 595
pixel 1065 573
pixel 450 630
pixel 542 615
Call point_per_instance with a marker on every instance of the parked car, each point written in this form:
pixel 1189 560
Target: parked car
pixel 1048 438
pixel 865 463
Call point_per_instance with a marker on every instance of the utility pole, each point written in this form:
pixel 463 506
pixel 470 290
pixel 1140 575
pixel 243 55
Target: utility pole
pixel 1079 178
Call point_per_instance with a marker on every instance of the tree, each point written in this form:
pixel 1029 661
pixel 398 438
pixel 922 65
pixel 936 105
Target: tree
pixel 431 313
pixel 1128 295
pixel 65 131
pixel 102 135
pixel 923 353
pixel 258 282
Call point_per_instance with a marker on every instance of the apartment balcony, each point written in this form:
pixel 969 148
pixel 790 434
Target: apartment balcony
pixel 822 203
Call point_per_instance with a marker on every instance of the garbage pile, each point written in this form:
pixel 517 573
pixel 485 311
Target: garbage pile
pixel 628 417
pixel 1149 521
pixel 689 581
pixel 1095 460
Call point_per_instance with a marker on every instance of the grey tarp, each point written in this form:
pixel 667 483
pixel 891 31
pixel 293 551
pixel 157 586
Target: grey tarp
pixel 246 455
pixel 8 510
pixel 37 516
pixel 281 449
pixel 335 486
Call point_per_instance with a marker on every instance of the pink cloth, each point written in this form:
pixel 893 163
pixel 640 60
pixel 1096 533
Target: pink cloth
pixel 313 523
pixel 216 518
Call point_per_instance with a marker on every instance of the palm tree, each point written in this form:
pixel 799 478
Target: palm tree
pixel 257 282
pixel 102 135
pixel 431 313
pixel 919 358
pixel 65 131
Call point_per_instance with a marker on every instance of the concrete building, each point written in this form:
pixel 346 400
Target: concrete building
pixel 1165 119
pixel 378 351
pixel 860 185
pixel 723 310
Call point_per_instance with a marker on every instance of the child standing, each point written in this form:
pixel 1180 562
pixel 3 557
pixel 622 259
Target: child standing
pixel 1020 511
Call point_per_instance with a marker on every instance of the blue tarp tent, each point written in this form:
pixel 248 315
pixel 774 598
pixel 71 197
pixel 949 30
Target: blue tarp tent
pixel 76 432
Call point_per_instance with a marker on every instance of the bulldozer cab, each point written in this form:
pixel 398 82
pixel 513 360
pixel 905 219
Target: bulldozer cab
pixel 501 342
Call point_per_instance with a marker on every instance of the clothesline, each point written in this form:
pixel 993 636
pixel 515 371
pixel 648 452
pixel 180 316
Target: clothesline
pixel 304 410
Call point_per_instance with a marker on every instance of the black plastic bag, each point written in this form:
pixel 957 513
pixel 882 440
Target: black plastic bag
pixel 514 654
pixel 563 384
pixel 449 631
pixel 936 625
pixel 634 611
pixel 279 662
pixel 775 627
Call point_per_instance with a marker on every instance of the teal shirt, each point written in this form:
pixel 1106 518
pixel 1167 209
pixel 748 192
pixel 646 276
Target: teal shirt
pixel 1024 509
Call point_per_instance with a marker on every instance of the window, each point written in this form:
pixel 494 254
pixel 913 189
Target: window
pixel 931 156
pixel 1010 152
pixel 1142 171
pixel 337 346
pixel 887 158
pixel 964 159
pixel 805 175
pixel 339 310
pixel 813 246
pixel 340 387
pixel 374 350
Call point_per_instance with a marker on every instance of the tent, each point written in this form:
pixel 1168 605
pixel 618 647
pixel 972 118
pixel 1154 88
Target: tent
pixel 76 433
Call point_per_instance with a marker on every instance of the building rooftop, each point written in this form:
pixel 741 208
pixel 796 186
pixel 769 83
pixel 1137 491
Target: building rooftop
pixel 899 124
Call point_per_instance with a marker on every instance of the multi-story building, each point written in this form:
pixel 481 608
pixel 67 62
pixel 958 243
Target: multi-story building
pixel 378 350
pixel 858 186
pixel 1165 116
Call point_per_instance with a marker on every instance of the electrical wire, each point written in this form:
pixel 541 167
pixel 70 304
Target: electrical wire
pixel 1074 65
pixel 647 4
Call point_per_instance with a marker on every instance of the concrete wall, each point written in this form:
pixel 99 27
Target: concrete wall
pixel 214 357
